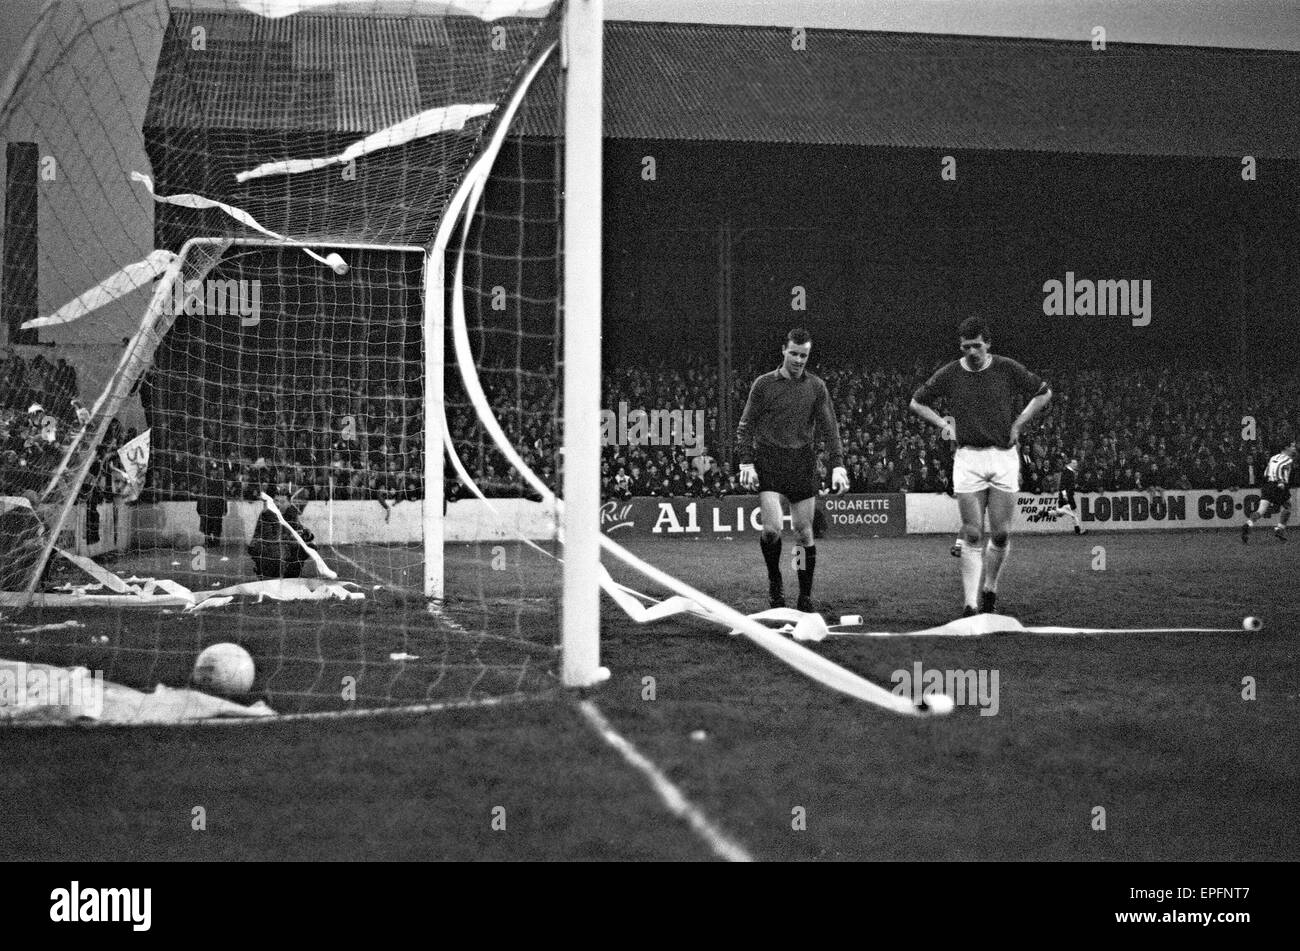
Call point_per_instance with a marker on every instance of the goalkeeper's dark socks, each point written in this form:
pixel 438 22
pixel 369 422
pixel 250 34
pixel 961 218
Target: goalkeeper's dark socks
pixel 772 557
pixel 806 572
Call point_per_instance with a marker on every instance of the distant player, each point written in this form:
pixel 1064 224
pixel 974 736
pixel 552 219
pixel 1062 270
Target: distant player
pixel 1277 494
pixel 1065 504
pixel 990 398
pixel 786 411
pixel 211 504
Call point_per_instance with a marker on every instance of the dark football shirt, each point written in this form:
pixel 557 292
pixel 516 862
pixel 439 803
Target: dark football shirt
pixel 985 402
pixel 786 413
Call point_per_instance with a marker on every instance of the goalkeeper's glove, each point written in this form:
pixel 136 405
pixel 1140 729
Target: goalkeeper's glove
pixel 748 475
pixel 840 479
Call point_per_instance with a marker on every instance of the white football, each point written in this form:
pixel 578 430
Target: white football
pixel 224 668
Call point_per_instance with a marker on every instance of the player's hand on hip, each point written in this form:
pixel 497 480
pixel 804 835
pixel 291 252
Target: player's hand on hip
pixel 748 476
pixel 1015 435
pixel 840 480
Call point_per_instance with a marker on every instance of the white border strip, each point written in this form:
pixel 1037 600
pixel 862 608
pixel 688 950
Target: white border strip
pixel 669 795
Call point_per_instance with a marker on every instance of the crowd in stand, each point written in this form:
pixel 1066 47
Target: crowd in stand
pixel 1148 429
pixel 40 413
pixel 23 383
pixel 344 441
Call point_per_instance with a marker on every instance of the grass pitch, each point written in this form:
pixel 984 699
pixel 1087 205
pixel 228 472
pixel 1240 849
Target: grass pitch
pixel 1153 729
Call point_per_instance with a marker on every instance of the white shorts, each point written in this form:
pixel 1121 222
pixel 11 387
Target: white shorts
pixel 974 470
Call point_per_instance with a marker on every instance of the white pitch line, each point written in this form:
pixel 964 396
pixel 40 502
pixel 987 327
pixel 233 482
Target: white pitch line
pixel 670 795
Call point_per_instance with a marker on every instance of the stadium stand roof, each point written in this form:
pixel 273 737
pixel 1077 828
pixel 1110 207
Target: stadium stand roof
pixel 713 83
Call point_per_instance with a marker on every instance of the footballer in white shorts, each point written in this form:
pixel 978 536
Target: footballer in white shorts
pixel 990 399
pixel 974 470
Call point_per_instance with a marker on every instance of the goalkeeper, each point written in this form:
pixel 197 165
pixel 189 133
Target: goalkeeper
pixel 777 444
pixel 274 551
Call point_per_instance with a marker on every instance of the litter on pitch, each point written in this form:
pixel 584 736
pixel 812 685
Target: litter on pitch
pixel 281 589
pixel 811 664
pixel 136 592
pixel 121 593
pixel 76 695
pixel 980 624
pixel 59 626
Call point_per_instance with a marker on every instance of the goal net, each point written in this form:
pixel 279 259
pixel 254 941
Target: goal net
pixel 303 356
pixel 236 235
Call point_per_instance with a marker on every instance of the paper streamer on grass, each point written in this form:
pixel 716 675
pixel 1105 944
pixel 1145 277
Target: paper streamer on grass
pixel 123 593
pixel 105 577
pixel 59 626
pixel 430 122
pixel 657 611
pixel 122 282
pixel 1132 630
pixel 75 695
pixel 981 624
pixel 283 589
pixel 821 669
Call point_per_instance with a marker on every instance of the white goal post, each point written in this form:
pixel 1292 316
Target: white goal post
pixel 582 48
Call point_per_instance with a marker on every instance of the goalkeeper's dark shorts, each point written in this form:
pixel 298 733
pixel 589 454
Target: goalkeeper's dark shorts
pixel 1277 495
pixel 792 472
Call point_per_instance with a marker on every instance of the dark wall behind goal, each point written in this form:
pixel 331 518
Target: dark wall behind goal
pixel 891 257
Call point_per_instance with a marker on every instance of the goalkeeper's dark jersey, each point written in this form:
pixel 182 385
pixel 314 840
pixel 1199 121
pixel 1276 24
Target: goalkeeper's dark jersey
pixel 785 413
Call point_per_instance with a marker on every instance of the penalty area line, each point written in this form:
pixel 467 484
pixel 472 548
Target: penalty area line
pixel 672 797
